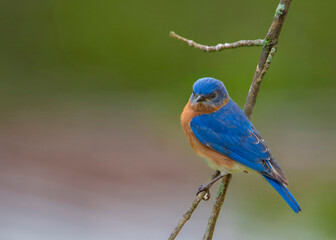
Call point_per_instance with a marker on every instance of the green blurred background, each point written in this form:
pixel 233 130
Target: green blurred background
pixel 91 93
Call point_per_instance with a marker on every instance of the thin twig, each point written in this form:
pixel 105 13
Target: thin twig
pixel 221 193
pixel 269 48
pixel 267 53
pixel 186 216
pixel 219 46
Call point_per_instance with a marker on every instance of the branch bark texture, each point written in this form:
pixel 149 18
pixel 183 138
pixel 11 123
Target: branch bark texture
pixel 267 53
pixel 221 193
pixel 186 216
pixel 219 46
pixel 270 44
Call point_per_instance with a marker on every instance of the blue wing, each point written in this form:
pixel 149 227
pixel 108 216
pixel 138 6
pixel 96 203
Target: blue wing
pixel 229 132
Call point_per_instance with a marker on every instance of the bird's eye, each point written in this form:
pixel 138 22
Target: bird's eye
pixel 213 95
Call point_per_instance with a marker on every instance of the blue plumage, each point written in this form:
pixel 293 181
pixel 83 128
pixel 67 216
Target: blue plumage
pixel 208 85
pixel 229 132
pixel 285 194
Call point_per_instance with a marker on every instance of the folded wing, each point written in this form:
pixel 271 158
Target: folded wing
pixel 229 132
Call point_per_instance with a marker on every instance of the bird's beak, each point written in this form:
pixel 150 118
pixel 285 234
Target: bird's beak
pixel 200 98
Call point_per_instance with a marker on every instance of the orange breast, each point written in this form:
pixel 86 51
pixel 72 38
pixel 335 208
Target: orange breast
pixel 217 160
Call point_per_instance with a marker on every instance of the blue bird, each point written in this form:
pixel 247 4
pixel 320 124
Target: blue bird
pixel 219 131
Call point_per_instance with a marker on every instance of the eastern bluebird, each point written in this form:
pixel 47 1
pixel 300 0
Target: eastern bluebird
pixel 219 131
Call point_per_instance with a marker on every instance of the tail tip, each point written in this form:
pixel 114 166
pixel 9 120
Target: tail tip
pixel 299 210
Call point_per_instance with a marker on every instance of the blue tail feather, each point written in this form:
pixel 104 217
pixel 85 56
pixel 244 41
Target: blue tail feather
pixel 284 193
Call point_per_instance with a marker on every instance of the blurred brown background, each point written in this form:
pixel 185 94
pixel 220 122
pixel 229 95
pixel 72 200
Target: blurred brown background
pixel 90 140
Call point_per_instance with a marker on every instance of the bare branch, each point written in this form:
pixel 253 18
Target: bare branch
pixel 186 216
pixel 219 46
pixel 267 54
pixel 269 48
pixel 222 189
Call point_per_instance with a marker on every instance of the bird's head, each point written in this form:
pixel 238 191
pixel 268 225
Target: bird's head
pixel 209 92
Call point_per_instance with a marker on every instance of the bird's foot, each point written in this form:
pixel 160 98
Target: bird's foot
pixel 204 188
pixel 207 186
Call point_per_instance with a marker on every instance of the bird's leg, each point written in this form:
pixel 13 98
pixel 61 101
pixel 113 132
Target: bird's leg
pixel 207 186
